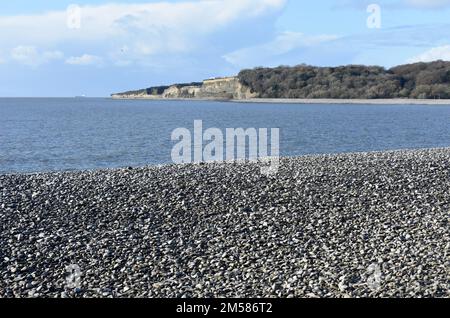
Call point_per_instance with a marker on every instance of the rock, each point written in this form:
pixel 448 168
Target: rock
pixel 352 225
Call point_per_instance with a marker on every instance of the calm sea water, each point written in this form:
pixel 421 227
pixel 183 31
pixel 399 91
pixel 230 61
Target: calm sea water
pixel 72 134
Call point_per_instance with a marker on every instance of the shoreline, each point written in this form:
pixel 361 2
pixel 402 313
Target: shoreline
pixel 348 101
pixel 167 165
pixel 395 101
pixel 322 227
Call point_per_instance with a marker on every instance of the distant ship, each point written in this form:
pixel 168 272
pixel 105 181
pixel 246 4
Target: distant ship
pixel 81 96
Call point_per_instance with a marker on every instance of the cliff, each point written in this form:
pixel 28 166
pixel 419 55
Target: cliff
pixel 219 88
pixel 412 81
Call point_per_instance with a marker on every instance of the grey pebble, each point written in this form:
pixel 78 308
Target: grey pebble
pixel 351 225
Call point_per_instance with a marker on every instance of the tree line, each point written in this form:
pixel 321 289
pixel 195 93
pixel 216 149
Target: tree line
pixel 417 81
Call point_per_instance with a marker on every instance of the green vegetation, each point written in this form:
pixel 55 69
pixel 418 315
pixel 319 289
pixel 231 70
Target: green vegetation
pixel 158 90
pixel 415 81
pixel 420 81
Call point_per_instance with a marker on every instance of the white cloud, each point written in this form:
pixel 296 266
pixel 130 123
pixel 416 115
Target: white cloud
pixel 434 54
pixel 30 55
pixel 427 4
pixel 146 29
pixel 52 55
pixel 284 43
pixel 85 59
pixel 25 54
pixel 393 4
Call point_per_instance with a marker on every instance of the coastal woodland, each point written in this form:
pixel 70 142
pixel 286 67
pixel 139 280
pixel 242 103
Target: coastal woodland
pixel 418 81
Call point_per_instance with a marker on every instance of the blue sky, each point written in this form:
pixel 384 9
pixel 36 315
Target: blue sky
pixel 52 48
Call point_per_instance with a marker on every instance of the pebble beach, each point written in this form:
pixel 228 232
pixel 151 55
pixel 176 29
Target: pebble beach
pixel 350 225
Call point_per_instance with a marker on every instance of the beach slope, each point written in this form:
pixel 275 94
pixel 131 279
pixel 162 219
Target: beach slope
pixel 351 225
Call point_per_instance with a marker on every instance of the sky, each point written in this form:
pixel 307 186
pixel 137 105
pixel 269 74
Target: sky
pixel 55 48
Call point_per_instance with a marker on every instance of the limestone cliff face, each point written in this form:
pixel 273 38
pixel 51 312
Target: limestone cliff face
pixel 181 92
pixel 220 88
pixel 224 88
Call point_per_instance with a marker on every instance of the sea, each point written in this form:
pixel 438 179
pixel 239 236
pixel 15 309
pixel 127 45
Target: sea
pixel 67 134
